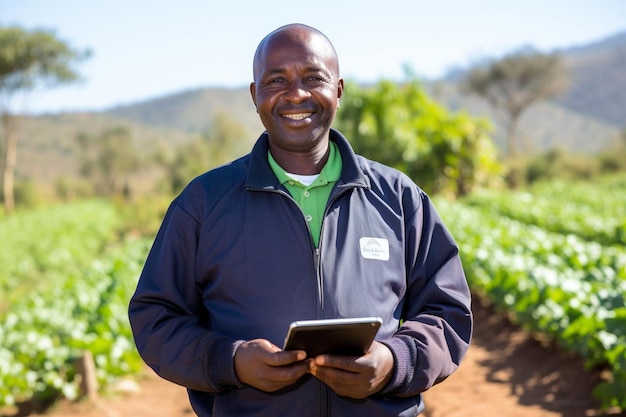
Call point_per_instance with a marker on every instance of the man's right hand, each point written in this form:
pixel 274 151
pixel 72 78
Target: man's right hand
pixel 264 366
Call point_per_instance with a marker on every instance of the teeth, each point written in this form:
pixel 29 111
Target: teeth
pixel 298 116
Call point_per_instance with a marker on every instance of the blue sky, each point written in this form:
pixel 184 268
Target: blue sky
pixel 144 49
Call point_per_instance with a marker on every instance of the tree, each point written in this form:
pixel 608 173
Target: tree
pixel 108 159
pixel 514 83
pixel 28 60
pixel 400 126
pixel 220 143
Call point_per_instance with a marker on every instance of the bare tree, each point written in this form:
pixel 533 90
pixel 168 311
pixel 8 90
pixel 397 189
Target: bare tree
pixel 28 59
pixel 514 83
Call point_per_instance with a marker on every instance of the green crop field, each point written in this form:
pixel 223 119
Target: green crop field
pixel 552 256
pixel 65 282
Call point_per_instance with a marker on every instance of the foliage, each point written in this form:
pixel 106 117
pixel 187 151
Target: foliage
pixel 49 242
pixel 28 59
pixel 42 335
pixel 514 83
pixel 142 216
pixel 613 159
pixel 558 164
pixel 552 281
pixel 399 125
pixel 65 290
pixel 108 159
pixel 217 146
pixel 555 278
pixel 27 194
pixel 594 211
pixel 561 165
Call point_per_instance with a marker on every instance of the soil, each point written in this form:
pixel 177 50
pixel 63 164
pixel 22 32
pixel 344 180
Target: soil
pixel 507 373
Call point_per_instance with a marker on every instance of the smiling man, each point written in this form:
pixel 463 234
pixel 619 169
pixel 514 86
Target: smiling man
pixel 301 228
pixel 296 91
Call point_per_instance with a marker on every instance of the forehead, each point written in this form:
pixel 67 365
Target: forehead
pixel 295 48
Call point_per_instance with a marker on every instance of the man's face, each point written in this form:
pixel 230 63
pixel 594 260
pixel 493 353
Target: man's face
pixel 296 89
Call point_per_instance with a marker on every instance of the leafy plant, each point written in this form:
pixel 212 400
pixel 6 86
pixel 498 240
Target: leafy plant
pixel 557 284
pixel 66 282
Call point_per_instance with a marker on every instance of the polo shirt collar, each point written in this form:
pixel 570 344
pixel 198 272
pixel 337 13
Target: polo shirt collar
pixel 261 176
pixel 331 171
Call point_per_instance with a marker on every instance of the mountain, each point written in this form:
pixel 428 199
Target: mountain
pixel 597 80
pixel 587 118
pixel 543 126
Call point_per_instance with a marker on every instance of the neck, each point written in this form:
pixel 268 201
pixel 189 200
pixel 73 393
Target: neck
pixel 301 163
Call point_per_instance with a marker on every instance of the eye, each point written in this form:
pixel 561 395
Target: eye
pixel 316 79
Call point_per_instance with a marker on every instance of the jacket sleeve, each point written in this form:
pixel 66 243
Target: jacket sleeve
pixel 437 320
pixel 167 316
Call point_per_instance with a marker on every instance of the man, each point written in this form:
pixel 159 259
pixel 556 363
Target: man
pixel 284 234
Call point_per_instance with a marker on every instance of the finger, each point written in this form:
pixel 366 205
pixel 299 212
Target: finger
pixel 336 376
pixel 346 363
pixel 287 373
pixel 286 357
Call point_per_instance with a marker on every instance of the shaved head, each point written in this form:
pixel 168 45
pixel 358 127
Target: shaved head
pixel 303 34
pixel 296 91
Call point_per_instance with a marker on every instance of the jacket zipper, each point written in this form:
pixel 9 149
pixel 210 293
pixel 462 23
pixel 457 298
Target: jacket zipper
pixel 318 272
pixel 316 251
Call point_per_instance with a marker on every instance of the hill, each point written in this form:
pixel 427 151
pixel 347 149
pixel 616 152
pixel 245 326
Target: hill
pixel 544 126
pixel 597 80
pixel 47 146
pixel 193 110
pixel 587 118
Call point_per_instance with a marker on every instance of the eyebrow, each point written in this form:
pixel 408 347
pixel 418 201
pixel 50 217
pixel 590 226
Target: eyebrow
pixel 279 70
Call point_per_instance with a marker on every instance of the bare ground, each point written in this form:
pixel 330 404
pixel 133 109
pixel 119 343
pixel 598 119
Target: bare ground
pixel 507 373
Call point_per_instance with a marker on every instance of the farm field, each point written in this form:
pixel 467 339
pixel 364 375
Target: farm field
pixel 562 283
pixel 496 379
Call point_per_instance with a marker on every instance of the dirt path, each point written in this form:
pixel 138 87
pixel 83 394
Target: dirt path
pixel 507 373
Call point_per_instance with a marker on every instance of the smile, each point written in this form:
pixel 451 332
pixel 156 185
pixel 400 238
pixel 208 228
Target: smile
pixel 297 116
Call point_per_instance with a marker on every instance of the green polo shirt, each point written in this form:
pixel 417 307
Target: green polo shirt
pixel 312 199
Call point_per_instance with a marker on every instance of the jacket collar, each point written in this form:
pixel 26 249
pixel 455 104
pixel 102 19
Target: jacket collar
pixel 261 176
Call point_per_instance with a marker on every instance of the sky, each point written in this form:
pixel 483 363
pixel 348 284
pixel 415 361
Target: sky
pixel 144 49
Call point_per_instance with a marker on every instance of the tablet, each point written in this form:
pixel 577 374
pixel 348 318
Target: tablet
pixel 351 336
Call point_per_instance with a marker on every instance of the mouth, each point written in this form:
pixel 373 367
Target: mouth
pixel 297 116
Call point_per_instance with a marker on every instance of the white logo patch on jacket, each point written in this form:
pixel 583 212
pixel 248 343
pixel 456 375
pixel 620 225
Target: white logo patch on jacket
pixel 374 248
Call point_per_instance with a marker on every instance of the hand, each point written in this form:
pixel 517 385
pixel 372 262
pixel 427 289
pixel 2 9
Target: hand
pixel 355 377
pixel 263 365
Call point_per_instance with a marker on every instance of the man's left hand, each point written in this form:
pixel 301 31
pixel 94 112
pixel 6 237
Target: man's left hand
pixel 355 377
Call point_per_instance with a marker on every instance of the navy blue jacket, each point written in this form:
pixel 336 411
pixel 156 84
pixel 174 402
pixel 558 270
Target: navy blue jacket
pixel 234 261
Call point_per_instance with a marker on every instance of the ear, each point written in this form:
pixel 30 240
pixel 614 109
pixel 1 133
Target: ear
pixel 253 93
pixel 339 91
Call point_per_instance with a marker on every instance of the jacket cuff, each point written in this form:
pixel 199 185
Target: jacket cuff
pixel 218 363
pixel 405 364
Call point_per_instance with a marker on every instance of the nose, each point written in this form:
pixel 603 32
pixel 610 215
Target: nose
pixel 296 92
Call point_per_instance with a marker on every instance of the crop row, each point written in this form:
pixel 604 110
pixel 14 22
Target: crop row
pixel 65 293
pixel 43 334
pixel 39 246
pixel 559 284
pixel 594 211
